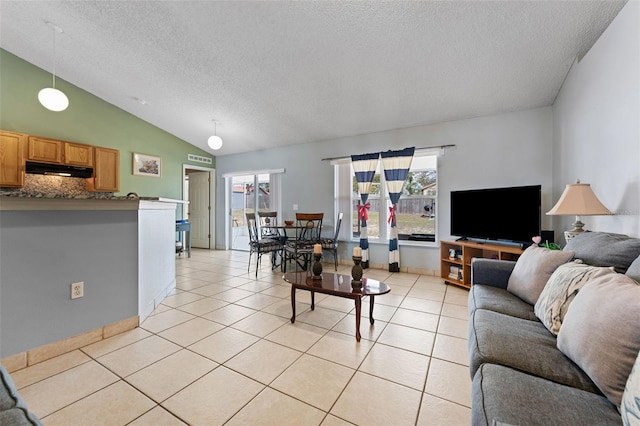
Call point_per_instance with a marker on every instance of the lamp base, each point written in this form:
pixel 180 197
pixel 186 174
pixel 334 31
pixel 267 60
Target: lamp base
pixel 577 230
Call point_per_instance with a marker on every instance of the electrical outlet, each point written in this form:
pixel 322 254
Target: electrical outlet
pixel 77 290
pixel 295 207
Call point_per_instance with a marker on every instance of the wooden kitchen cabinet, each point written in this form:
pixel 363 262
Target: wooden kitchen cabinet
pixel 44 150
pixel 76 154
pixel 106 170
pixel 12 154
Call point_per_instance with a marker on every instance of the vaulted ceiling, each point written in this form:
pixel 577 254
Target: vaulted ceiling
pixel 277 73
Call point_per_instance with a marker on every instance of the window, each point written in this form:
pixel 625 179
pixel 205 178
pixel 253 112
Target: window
pixel 416 212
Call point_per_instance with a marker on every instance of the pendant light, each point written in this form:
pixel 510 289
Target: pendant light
pixel 50 97
pixel 214 142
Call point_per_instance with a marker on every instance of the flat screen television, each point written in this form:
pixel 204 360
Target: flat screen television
pixel 510 214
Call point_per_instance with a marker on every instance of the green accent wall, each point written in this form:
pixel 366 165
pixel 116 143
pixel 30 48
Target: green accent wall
pixel 91 120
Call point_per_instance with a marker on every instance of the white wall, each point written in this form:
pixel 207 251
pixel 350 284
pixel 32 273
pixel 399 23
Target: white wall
pixel 502 150
pixel 597 126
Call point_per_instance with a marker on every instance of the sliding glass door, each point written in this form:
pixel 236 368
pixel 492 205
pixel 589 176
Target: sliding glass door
pixel 248 194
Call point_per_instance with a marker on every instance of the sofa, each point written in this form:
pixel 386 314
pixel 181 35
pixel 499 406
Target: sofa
pixel 554 337
pixel 13 410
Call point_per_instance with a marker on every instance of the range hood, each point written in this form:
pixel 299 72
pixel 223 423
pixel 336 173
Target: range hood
pixel 58 170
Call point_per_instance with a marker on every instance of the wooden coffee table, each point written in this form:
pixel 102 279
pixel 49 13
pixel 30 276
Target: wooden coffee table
pixel 336 285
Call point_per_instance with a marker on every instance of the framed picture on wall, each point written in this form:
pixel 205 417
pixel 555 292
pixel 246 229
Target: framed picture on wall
pixel 146 165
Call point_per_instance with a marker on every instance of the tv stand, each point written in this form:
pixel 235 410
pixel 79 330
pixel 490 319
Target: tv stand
pixel 462 239
pixel 460 265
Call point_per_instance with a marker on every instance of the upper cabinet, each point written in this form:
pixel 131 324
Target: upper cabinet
pixel 12 147
pixel 18 148
pixel 52 151
pixel 44 150
pixel 76 154
pixel 106 171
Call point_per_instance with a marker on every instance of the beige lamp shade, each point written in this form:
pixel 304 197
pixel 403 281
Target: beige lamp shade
pixel 578 200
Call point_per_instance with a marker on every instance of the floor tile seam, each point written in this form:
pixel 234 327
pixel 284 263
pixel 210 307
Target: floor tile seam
pixel 282 393
pixel 448 400
pixel 95 358
pixel 394 382
pixel 449 361
pixel 253 344
pixel 84 397
pixel 54 374
pixel 204 313
pixel 336 362
pixel 153 408
pixel 195 341
pixel 318 408
pixel 405 349
pixel 159 403
pixel 257 335
pixel 180 347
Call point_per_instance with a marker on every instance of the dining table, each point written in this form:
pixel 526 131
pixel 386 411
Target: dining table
pixel 284 235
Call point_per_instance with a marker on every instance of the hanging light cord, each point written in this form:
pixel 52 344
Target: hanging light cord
pixel 54 56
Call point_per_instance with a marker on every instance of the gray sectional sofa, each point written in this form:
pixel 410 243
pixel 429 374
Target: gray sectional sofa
pixel 13 410
pixel 553 338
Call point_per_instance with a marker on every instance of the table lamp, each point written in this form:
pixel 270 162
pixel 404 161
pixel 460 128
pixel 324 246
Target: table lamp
pixel 578 200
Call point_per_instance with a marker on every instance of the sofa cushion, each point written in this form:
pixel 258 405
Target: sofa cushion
pixel 491 272
pixel 13 409
pixel 533 269
pixel 605 249
pixel 504 395
pixel 634 270
pixel 499 300
pixel 630 408
pixel 16 417
pixel 562 287
pixel 521 344
pixel 600 332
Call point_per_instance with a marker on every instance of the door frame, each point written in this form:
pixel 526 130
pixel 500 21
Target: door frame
pixel 212 198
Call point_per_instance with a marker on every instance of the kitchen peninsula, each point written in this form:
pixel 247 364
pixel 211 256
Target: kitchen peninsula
pixel 121 248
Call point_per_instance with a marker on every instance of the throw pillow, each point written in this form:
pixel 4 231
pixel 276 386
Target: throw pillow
pixel 630 408
pixel 600 332
pixel 562 287
pixel 634 270
pixel 532 271
pixel 605 249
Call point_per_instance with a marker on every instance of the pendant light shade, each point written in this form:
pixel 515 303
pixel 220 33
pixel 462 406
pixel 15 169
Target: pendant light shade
pixel 50 97
pixel 215 142
pixel 53 99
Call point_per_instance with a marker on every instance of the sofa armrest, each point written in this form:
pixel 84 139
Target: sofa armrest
pixel 491 272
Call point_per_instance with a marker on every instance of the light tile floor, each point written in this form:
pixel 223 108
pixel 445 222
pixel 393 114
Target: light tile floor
pixel 222 350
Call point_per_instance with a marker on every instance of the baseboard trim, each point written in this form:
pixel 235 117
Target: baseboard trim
pixel 42 353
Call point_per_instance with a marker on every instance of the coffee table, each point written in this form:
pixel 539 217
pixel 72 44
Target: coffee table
pixel 336 285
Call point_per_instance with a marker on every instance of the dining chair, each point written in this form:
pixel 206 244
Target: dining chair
pixel 266 219
pixel 261 246
pixel 300 249
pixel 331 244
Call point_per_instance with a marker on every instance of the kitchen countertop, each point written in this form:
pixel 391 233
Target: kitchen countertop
pixel 9 203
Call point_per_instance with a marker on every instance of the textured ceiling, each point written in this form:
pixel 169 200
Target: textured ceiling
pixel 282 73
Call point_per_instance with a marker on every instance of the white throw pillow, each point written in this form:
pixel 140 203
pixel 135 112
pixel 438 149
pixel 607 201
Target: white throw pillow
pixel 562 287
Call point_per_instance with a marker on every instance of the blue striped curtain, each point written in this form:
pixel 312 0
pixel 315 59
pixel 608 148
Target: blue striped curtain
pixel 396 168
pixel 364 166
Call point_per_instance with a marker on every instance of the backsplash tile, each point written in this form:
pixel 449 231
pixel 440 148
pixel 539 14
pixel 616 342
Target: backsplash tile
pixel 53 187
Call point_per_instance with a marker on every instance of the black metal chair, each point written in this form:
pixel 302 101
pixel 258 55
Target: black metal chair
pixel 300 249
pixel 331 244
pixel 261 246
pixel 266 219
